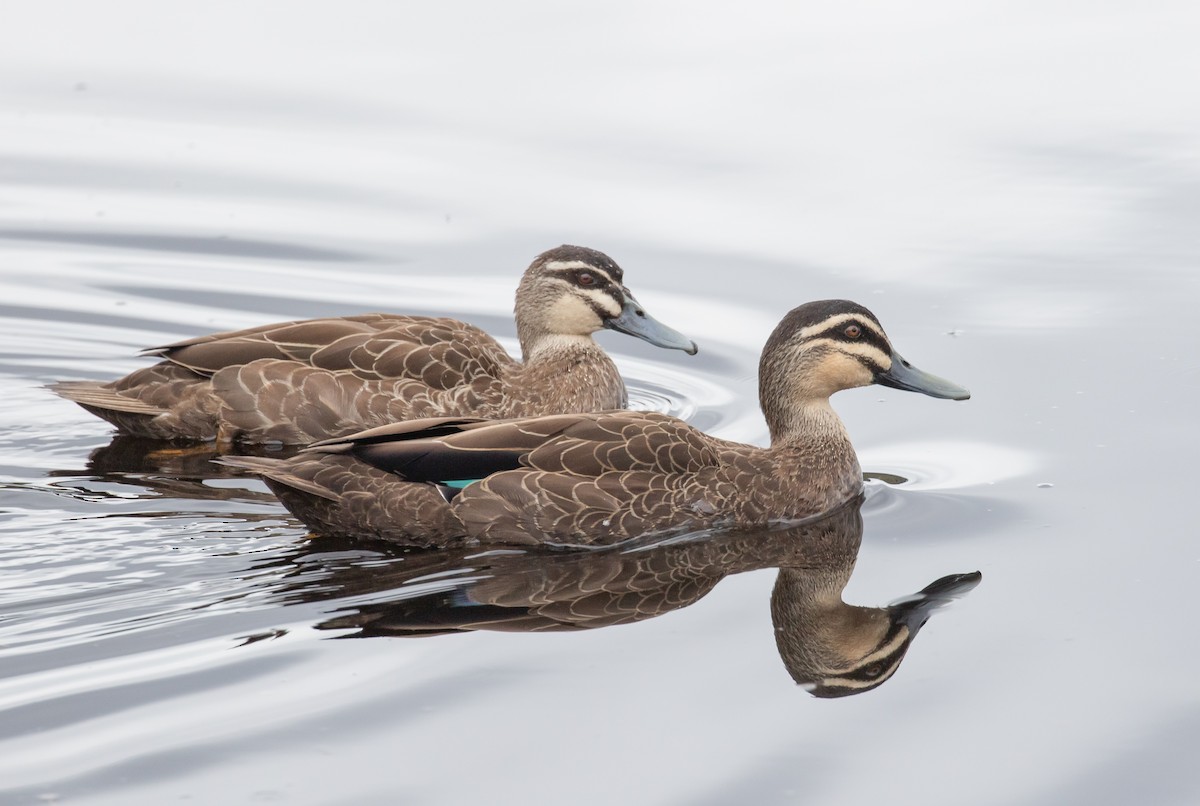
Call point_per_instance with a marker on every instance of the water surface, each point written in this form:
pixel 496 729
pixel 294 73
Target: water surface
pixel 1014 194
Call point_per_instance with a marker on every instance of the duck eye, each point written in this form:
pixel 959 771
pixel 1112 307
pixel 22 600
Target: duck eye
pixel 853 331
pixel 586 279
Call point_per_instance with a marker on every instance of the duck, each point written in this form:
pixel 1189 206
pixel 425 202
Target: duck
pixel 293 383
pixel 605 477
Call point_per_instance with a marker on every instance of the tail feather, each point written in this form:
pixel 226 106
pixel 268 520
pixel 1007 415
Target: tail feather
pixel 99 395
pixel 276 470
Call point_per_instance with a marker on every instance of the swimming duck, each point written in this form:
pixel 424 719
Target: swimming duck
pixel 296 382
pixel 601 478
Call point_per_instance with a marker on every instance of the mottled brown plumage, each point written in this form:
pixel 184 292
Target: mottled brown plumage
pixel 296 382
pixel 605 477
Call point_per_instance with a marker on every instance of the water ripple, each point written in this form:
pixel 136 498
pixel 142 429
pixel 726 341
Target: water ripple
pixel 946 465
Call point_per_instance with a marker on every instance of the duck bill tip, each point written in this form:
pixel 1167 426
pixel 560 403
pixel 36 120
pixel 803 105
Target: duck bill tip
pixel 634 321
pixel 903 375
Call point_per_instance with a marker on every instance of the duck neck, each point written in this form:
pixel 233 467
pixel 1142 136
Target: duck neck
pixel 574 369
pixel 810 423
pixel 554 347
pixel 811 441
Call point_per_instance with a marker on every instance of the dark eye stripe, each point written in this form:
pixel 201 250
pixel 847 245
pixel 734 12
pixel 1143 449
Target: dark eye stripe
pixel 863 676
pixel 610 292
pixel 867 336
pixel 599 279
pixel 602 276
pixel 873 366
pixel 872 357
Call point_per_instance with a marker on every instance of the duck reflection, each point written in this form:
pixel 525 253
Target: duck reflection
pixel 831 648
pixel 174 470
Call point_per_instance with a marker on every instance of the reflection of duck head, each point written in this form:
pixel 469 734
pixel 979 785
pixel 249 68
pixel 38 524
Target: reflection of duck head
pixel 834 649
pixel 830 647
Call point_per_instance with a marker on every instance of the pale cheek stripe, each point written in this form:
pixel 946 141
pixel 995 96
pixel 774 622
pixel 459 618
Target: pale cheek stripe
pixel 891 646
pixel 601 300
pixel 579 308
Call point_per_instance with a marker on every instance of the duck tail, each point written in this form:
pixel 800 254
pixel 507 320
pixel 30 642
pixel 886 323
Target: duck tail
pixel 277 474
pixel 98 396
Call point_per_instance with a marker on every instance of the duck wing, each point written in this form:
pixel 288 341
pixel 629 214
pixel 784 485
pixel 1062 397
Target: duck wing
pixel 439 352
pixel 580 445
pixel 586 478
pixel 608 478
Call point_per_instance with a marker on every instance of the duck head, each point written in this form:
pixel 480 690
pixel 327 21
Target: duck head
pixel 824 347
pixel 570 292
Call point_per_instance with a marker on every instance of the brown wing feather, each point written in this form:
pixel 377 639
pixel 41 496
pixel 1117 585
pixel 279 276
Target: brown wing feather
pixel 625 440
pixel 449 440
pixel 292 402
pixel 440 352
pixel 591 478
pixel 533 507
pixel 296 382
pixel 602 478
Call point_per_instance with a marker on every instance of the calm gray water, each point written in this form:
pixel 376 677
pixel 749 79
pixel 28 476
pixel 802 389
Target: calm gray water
pixel 1013 190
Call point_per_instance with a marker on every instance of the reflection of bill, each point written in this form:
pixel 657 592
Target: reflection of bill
pixel 831 648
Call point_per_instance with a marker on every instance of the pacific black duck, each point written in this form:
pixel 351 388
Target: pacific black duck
pixel 601 478
pixel 296 382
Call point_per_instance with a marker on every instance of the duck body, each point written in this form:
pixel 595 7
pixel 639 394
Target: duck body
pixel 600 478
pixel 585 479
pixel 297 382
